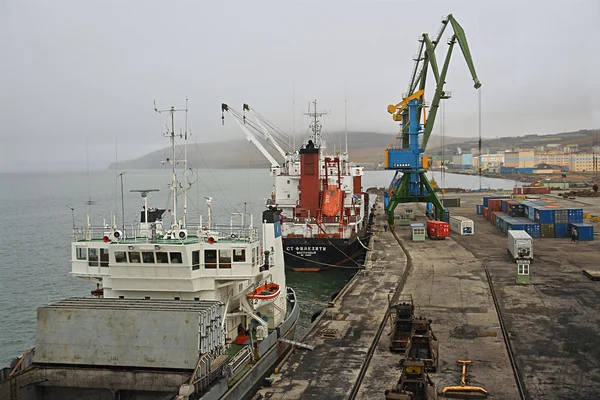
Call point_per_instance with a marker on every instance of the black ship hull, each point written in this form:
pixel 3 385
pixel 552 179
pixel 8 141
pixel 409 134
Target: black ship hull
pixel 316 254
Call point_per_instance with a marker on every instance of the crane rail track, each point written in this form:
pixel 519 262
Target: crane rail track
pixel 509 349
pixel 371 351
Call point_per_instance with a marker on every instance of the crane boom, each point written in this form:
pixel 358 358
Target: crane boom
pixel 405 153
pixel 267 134
pixel 250 136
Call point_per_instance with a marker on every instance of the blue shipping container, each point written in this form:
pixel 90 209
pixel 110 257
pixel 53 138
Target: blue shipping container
pixel 516 226
pixel 447 215
pixel 576 215
pixel 543 215
pixel 525 170
pixel 585 232
pixel 479 209
pixel 533 230
pixel 561 231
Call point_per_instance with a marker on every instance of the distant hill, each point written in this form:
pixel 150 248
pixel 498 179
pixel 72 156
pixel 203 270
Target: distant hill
pixel 584 139
pixel 364 147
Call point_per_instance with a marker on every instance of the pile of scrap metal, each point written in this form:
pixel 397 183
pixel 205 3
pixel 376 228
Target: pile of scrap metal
pixel 422 344
pixel 403 314
pixel 414 383
pixel 580 193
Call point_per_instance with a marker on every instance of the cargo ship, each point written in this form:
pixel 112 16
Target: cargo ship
pixel 181 311
pixel 325 213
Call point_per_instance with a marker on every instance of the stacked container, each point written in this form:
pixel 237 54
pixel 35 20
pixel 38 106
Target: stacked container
pixel 540 218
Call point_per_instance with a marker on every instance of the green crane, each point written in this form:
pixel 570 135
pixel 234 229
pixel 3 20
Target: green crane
pixel 404 154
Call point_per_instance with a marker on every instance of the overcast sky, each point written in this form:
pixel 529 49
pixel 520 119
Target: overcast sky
pixel 77 70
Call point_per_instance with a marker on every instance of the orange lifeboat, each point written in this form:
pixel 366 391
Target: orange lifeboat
pixel 263 295
pixel 332 201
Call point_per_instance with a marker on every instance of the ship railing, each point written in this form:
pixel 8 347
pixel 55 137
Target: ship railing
pixel 243 357
pixel 203 376
pixel 326 220
pixel 195 233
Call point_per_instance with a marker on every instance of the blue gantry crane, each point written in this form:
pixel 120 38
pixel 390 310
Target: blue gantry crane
pixel 405 153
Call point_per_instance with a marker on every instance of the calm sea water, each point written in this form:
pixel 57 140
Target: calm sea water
pixel 36 227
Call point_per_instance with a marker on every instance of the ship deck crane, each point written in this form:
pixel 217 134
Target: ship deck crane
pixel 405 153
pixel 241 121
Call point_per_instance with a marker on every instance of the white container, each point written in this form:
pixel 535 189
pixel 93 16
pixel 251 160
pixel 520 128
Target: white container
pixel 461 225
pixel 128 333
pixel 520 245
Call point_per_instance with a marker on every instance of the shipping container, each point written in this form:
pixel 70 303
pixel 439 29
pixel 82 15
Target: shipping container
pixel 525 170
pixel 516 226
pixel 451 202
pixel 576 215
pixel 561 216
pixel 438 229
pixel 461 225
pixel 495 204
pixel 531 190
pixel 500 221
pixel 520 245
pixel 547 230
pixel 486 199
pixel 532 228
pixel 561 230
pixel 479 209
pixel 128 333
pixel 543 215
pixel 585 232
pixel 446 215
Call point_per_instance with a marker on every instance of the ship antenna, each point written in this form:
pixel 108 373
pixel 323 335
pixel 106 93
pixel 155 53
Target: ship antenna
pixel 122 203
pixel 89 202
pixel 293 115
pixel 173 161
pixel 185 164
pixel 346 116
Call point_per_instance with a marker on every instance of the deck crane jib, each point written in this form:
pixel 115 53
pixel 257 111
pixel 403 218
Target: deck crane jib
pixel 405 153
pixel 267 134
pixel 247 128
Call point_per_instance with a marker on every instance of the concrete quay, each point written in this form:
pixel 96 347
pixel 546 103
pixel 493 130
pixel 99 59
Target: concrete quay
pixel 351 358
pixel 554 323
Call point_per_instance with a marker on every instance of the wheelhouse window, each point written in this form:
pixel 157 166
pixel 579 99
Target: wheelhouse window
pixel 120 257
pixel 175 257
pixel 253 256
pixel 93 257
pixel 210 258
pixel 195 259
pixel 224 258
pixel 162 257
pixel 104 257
pixel 239 255
pixel 81 253
pixel 148 257
pixel 134 257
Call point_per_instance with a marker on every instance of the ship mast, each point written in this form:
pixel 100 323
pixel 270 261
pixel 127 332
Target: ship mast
pixel 315 125
pixel 174 183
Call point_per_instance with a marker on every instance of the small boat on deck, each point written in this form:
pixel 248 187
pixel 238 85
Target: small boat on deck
pixel 263 295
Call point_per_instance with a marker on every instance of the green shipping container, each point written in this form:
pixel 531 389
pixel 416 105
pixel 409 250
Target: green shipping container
pixel 547 230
